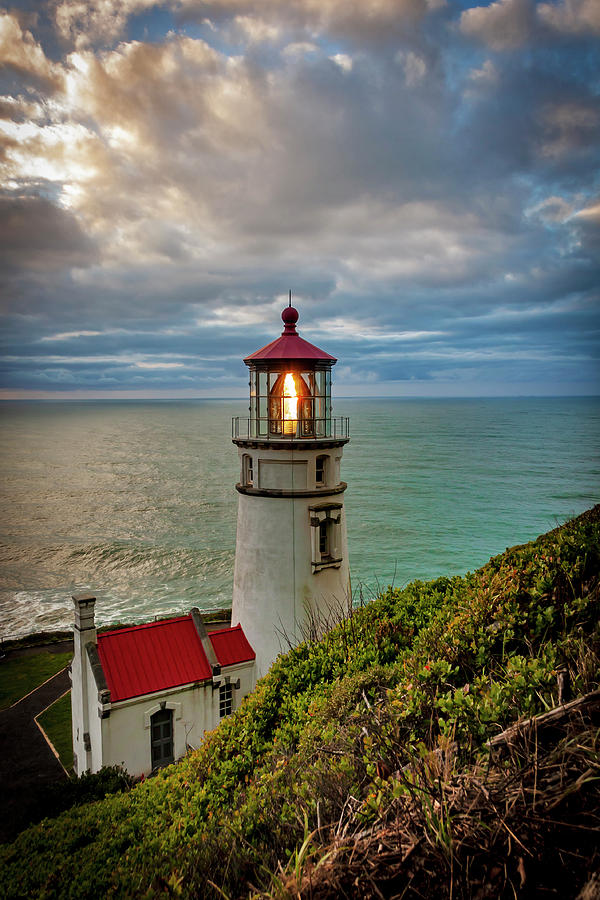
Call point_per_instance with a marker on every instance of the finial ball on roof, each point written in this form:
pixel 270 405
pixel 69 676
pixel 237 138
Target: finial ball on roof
pixel 289 315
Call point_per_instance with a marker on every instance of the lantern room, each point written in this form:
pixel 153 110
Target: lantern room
pixel 290 390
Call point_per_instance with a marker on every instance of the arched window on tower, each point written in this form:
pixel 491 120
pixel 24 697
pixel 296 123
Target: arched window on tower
pixel 321 470
pixel 247 470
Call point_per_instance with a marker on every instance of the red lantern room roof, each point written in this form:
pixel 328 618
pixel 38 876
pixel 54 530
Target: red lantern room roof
pixel 290 346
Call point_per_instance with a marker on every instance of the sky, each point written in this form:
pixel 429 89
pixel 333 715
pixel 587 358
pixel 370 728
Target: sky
pixel 422 174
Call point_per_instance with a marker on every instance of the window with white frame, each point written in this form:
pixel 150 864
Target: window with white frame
pixel 161 738
pixel 326 536
pixel 225 700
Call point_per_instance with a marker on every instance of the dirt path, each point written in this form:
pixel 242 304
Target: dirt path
pixel 27 764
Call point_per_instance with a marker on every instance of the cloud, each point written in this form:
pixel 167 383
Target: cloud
pixel 415 67
pixel 21 52
pixel 343 61
pixel 257 30
pixel 552 210
pixel 486 75
pixel 170 172
pixel 569 126
pixel 37 236
pixel 506 25
pixel 589 213
pixel 85 23
pixel 503 25
pixel 377 21
pixel 89 24
pixel 571 16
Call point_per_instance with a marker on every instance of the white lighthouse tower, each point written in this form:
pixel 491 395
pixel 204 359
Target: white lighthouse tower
pixel 291 562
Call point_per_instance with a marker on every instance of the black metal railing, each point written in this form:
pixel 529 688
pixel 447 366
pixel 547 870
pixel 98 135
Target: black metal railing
pixel 265 429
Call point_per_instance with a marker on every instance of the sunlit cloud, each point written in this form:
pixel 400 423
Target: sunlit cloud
pixel 19 50
pixel 159 365
pixel 590 213
pixel 69 335
pixel 503 25
pixel 571 16
pixel 355 330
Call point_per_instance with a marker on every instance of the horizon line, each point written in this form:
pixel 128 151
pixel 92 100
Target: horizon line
pixel 170 397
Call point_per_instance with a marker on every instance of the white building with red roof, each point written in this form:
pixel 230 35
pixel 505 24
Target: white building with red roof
pixel 143 695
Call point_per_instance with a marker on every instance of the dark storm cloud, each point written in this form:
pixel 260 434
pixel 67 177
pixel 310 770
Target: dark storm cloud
pixel 424 178
pixel 36 235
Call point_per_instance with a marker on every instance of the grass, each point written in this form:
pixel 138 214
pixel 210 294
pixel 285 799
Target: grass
pixel 21 675
pixel 56 722
pixel 492 830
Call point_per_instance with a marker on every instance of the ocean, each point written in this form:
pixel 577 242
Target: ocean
pixel 135 501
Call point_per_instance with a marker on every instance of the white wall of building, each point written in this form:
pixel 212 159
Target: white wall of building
pixel 126 738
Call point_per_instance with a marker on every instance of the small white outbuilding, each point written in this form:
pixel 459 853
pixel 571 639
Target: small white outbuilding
pixel 143 695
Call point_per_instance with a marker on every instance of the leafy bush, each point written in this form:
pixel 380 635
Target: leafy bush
pixel 76 792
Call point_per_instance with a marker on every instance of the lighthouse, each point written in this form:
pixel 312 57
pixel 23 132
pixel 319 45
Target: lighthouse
pixel 291 575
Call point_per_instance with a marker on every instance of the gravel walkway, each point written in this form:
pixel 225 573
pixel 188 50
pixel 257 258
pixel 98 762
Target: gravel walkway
pixel 27 764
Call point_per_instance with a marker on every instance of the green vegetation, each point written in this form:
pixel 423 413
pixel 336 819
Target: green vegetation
pixel 56 722
pixel 62 795
pixel 381 725
pixel 22 674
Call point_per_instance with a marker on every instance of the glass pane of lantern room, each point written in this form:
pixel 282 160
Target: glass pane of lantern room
pixel 305 407
pixel 262 403
pixel 253 403
pixel 328 400
pixel 320 402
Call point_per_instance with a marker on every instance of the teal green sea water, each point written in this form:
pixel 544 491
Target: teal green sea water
pixel 136 502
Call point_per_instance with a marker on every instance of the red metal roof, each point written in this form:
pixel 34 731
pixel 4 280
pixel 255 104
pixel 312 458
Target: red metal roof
pixel 231 646
pixel 144 659
pixel 290 345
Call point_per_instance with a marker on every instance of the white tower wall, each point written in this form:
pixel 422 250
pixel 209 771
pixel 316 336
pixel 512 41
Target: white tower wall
pixel 288 513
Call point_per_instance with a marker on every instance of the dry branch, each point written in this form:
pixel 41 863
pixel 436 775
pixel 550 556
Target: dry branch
pixel 586 706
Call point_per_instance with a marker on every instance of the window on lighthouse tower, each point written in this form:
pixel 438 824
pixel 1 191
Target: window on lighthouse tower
pixel 320 470
pixel 247 470
pixel 324 538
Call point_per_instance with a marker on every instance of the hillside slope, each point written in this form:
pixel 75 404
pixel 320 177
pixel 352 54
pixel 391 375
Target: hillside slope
pixel 331 744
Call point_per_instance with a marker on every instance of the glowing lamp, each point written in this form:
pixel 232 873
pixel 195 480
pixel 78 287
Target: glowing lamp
pixel 290 406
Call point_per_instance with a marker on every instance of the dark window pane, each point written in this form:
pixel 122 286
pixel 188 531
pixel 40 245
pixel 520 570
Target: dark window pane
pixel 162 737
